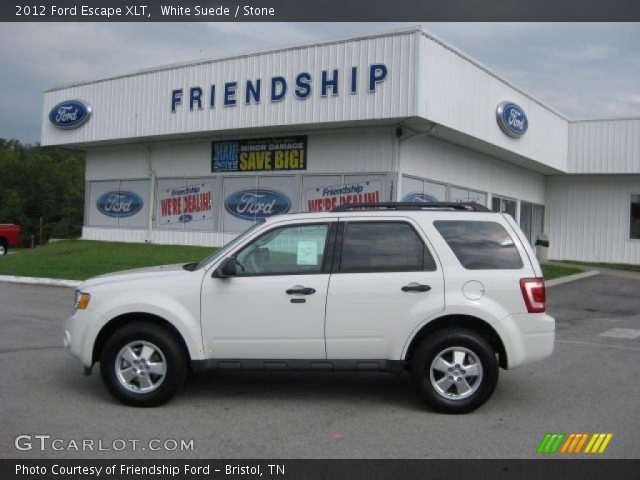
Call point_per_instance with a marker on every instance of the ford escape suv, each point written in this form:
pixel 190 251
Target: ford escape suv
pixel 446 292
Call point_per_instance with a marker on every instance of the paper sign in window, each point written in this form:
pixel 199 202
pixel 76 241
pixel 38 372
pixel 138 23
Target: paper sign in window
pixel 307 252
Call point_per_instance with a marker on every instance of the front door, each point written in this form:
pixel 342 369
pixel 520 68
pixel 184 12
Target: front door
pixel 385 284
pixel 274 307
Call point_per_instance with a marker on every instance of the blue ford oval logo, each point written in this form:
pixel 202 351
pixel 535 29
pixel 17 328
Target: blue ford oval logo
pixel 185 218
pixel 70 114
pixel 419 197
pixel 257 204
pixel 512 119
pixel 119 204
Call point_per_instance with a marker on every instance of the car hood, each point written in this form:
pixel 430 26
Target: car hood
pixel 137 274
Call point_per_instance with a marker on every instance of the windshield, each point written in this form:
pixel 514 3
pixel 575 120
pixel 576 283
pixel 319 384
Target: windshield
pixel 223 250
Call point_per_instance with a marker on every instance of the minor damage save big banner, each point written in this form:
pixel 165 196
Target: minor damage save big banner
pixel 260 155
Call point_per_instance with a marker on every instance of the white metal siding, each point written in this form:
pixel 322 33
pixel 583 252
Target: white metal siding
pixel 460 95
pixel 164 237
pixel 342 151
pixel 587 218
pixel 604 146
pixel 363 151
pixel 129 235
pixel 140 105
pixel 434 159
pixel 116 163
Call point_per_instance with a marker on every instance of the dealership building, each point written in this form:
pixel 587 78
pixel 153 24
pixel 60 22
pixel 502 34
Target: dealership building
pixel 194 153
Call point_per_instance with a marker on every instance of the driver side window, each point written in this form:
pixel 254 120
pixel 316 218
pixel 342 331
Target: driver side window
pixel 291 250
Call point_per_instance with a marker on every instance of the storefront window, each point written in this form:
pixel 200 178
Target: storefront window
pixel 435 190
pixel 457 194
pixel 531 220
pixel 478 197
pixel 185 204
pixel 634 230
pixel 323 193
pixel 504 205
pixel 118 203
pixel 418 190
pixel 250 199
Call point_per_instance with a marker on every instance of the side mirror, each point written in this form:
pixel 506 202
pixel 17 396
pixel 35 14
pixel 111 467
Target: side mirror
pixel 226 269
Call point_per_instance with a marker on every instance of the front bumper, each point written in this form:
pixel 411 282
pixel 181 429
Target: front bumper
pixel 79 336
pixel 527 337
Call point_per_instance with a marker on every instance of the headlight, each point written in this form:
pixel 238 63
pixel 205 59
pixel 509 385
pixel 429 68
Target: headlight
pixel 81 301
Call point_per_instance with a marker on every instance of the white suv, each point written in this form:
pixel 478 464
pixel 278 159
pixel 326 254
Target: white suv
pixel 446 292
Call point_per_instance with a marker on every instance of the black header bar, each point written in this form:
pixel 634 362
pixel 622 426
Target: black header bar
pixel 320 11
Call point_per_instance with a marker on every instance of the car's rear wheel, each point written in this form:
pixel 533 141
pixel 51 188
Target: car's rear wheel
pixel 4 248
pixel 143 364
pixel 455 370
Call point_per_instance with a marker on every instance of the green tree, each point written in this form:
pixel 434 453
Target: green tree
pixel 41 182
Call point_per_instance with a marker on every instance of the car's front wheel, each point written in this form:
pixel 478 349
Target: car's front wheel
pixel 143 364
pixel 455 370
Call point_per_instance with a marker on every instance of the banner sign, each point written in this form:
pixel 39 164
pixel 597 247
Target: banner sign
pixel 325 199
pixel 185 204
pixel 260 155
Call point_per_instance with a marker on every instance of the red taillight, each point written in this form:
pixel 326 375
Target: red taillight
pixel 534 294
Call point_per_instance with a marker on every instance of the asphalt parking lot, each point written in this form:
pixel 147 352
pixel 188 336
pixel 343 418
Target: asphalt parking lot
pixel 589 385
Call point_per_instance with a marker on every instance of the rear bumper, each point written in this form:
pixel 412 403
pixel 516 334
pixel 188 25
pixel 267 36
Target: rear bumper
pixel 527 337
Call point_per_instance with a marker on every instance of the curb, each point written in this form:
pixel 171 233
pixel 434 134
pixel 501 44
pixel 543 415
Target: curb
pixel 47 282
pixel 571 278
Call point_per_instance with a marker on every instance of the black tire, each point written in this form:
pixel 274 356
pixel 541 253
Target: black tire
pixel 175 360
pixel 466 340
pixel 4 248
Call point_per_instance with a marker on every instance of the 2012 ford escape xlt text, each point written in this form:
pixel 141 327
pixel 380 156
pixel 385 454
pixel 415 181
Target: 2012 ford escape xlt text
pixel 446 292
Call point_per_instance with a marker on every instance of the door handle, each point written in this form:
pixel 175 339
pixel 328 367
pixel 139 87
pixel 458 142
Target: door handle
pixel 300 290
pixel 416 287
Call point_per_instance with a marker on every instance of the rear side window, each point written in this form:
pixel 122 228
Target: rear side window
pixel 480 245
pixel 383 247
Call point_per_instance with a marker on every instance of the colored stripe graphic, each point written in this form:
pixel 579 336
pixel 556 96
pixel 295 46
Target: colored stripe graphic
pixel 598 443
pixel 551 442
pixel 572 443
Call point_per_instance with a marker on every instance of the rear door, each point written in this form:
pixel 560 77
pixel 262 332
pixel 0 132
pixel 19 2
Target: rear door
pixel 385 281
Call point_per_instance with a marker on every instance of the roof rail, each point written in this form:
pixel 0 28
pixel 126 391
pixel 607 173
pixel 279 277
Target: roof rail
pixel 462 206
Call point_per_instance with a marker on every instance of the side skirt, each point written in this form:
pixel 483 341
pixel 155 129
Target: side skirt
pixel 343 365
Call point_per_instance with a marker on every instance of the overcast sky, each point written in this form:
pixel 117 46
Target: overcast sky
pixel 582 70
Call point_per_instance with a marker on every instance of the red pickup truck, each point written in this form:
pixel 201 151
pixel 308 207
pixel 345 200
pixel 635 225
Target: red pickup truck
pixel 9 237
